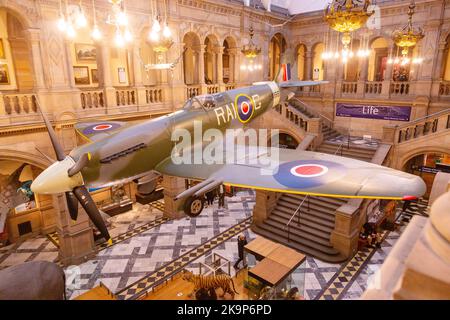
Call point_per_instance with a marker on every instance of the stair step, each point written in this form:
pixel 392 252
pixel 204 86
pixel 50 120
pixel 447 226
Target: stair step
pixel 361 148
pixel 329 202
pixel 284 218
pixel 344 149
pixel 302 231
pixel 307 219
pixel 332 256
pixel 326 219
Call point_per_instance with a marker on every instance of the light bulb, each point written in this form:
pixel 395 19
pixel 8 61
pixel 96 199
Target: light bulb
pixel 390 61
pixel 96 34
pixel 351 54
pixel 166 32
pixel 128 36
pixel 119 40
pixel 121 18
pixel 70 31
pixel 336 54
pixel 62 25
pixel 367 53
pixel 81 21
pixel 156 26
pixel 344 59
pixel 154 36
pixel 396 60
pixel 243 67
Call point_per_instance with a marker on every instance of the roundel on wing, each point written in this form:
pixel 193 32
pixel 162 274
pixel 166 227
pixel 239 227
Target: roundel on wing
pixel 100 127
pixel 303 174
pixel 244 107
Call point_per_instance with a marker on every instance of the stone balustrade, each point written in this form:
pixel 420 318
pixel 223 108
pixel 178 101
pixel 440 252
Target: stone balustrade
pixel 126 97
pixel 18 103
pixel 230 86
pixel 349 87
pixel 212 88
pixel 373 87
pixel 92 99
pixel 399 88
pixel 192 91
pixel 444 88
pixel 154 95
pixel 437 122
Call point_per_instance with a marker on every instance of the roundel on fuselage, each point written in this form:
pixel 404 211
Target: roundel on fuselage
pixel 245 107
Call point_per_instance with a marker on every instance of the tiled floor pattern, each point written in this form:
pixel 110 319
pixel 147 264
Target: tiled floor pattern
pixel 130 260
pixel 354 276
pixel 141 286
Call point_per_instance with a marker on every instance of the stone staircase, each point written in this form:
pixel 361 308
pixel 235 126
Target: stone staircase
pixel 310 230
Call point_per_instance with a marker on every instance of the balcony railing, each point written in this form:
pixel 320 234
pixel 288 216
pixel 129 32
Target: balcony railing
pixel 399 88
pixel 126 97
pixel 92 99
pixel 444 88
pixel 230 86
pixel 212 88
pixel 20 103
pixel 349 87
pixel 154 95
pixel 373 87
pixel 192 91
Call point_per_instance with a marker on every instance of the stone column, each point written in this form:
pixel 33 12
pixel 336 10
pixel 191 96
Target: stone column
pixel 201 68
pixel 439 70
pixel 362 79
pixel 137 75
pixel 35 38
pixel 172 187
pixel 265 203
pixel 70 73
pixel 76 240
pixel 220 68
pixel 110 93
pixel 309 65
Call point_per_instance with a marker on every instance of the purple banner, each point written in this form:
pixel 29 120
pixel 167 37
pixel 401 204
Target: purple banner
pixel 397 113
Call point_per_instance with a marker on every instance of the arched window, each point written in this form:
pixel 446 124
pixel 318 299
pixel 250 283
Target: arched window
pixel 229 60
pixel 191 58
pixel 301 62
pixel 277 47
pixel 211 45
pixel 446 61
pixel 378 59
pixel 318 66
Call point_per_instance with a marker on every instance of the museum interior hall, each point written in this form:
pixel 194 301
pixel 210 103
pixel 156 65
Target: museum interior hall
pixel 339 186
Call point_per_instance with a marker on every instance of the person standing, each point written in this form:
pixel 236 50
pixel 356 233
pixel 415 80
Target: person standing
pixel 242 241
pixel 221 196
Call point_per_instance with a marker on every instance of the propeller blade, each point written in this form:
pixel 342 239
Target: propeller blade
pixel 91 209
pixel 60 155
pixel 72 205
pixel 79 165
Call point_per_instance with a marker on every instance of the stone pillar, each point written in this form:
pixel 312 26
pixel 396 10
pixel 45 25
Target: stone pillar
pixel 309 65
pixel 363 69
pixel 172 187
pixel 265 203
pixel 35 38
pixel 137 76
pixel 76 240
pixel 110 93
pixel 220 68
pixel 439 70
pixel 201 68
pixel 70 73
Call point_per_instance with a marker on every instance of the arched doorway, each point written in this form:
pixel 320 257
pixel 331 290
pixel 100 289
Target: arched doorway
pixel 377 60
pixel 229 60
pixel 191 58
pixel 211 44
pixel 318 65
pixel 352 66
pixel 445 68
pixel 426 165
pixel 16 67
pixel 277 47
pixel 287 141
pixel 301 62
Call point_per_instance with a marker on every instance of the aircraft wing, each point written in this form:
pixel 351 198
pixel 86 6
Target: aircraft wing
pixel 95 130
pixel 293 83
pixel 304 172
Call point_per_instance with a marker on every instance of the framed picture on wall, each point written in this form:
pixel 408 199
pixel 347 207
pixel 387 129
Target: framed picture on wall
pixel 85 52
pixel 4 76
pixel 94 76
pixel 122 75
pixel 2 50
pixel 81 74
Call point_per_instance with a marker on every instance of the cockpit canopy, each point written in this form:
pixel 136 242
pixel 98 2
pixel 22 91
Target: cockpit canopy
pixel 206 101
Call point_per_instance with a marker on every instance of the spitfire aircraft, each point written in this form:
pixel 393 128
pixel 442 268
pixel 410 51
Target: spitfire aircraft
pixel 117 153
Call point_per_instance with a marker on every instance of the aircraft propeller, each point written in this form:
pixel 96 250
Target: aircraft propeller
pixel 79 193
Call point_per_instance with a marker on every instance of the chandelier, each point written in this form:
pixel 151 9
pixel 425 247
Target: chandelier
pixel 251 51
pixel 346 16
pixel 74 19
pixel 159 37
pixel 407 38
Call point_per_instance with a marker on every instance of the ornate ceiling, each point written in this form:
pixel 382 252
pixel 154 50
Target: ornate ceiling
pixel 293 6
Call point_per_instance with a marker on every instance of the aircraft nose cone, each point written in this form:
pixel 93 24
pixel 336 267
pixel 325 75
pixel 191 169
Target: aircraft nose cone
pixel 55 179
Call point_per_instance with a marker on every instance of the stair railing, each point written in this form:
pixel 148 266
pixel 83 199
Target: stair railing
pixel 296 213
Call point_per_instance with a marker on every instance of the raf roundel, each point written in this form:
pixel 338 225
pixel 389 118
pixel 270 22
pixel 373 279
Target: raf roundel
pixel 100 127
pixel 304 174
pixel 244 107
